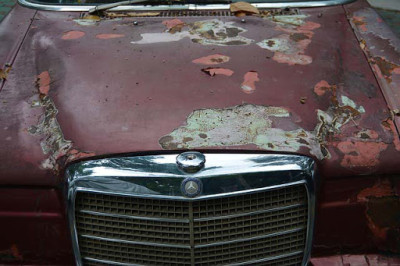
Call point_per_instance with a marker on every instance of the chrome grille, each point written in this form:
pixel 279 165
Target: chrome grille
pixel 268 227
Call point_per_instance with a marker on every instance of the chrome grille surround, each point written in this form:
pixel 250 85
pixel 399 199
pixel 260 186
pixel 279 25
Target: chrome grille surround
pixel 155 180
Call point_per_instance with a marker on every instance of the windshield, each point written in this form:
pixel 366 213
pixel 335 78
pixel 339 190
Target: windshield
pixel 182 2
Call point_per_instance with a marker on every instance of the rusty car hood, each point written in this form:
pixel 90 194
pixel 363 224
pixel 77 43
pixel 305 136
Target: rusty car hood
pixel 297 84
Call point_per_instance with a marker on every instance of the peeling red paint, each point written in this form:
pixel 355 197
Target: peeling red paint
pixel 385 68
pixel 381 189
pixel 212 71
pixel 214 59
pixel 72 35
pixel 74 154
pixel 106 36
pixel 360 23
pixel 321 87
pixel 382 214
pixel 43 82
pixel 248 85
pixel 355 260
pixel 361 153
pixel 289 48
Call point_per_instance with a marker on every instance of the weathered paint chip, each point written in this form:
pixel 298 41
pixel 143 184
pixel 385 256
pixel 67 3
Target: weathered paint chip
pixel 289 48
pixel 361 153
pixel 249 80
pixel 72 35
pixel 239 125
pixel 206 32
pixel 214 59
pixel 322 87
pixel 212 71
pixel 43 82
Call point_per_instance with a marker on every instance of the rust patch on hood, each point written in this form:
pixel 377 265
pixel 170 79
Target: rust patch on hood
pixel 206 32
pixel 52 140
pixel 386 68
pixel 214 59
pixel 289 48
pixel 383 214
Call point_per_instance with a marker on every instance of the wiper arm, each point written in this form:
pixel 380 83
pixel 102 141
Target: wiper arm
pixel 108 6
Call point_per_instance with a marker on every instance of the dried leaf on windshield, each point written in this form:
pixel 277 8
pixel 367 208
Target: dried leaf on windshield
pixel 240 9
pixel 174 25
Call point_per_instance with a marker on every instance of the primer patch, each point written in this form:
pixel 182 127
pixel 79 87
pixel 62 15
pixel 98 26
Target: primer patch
pixel 207 32
pixel 289 48
pixel 253 124
pixel 239 125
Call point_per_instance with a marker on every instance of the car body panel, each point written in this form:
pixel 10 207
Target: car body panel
pixel 84 89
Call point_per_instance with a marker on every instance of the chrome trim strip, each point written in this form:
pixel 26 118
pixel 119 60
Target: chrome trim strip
pixel 135 242
pixel 224 175
pixel 251 238
pixel 109 262
pixel 181 198
pixel 268 259
pixel 186 221
pixel 249 213
pixel 77 8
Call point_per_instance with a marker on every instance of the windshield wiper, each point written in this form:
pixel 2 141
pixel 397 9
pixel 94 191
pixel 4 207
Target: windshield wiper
pixel 105 7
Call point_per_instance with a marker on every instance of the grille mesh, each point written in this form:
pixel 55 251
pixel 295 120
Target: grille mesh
pixel 229 230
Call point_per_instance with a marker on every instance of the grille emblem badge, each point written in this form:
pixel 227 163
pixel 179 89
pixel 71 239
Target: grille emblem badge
pixel 191 187
pixel 191 161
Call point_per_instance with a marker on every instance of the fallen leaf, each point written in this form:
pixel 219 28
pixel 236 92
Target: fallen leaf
pixel 212 71
pixel 174 25
pixel 4 73
pixel 243 9
pixel 92 17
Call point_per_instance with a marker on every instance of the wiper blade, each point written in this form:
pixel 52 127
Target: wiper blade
pixel 108 6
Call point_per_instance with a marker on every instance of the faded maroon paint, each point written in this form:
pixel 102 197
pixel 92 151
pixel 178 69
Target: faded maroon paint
pixel 125 98
pixel 116 97
pixel 12 31
pixel 33 226
pixel 356 260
